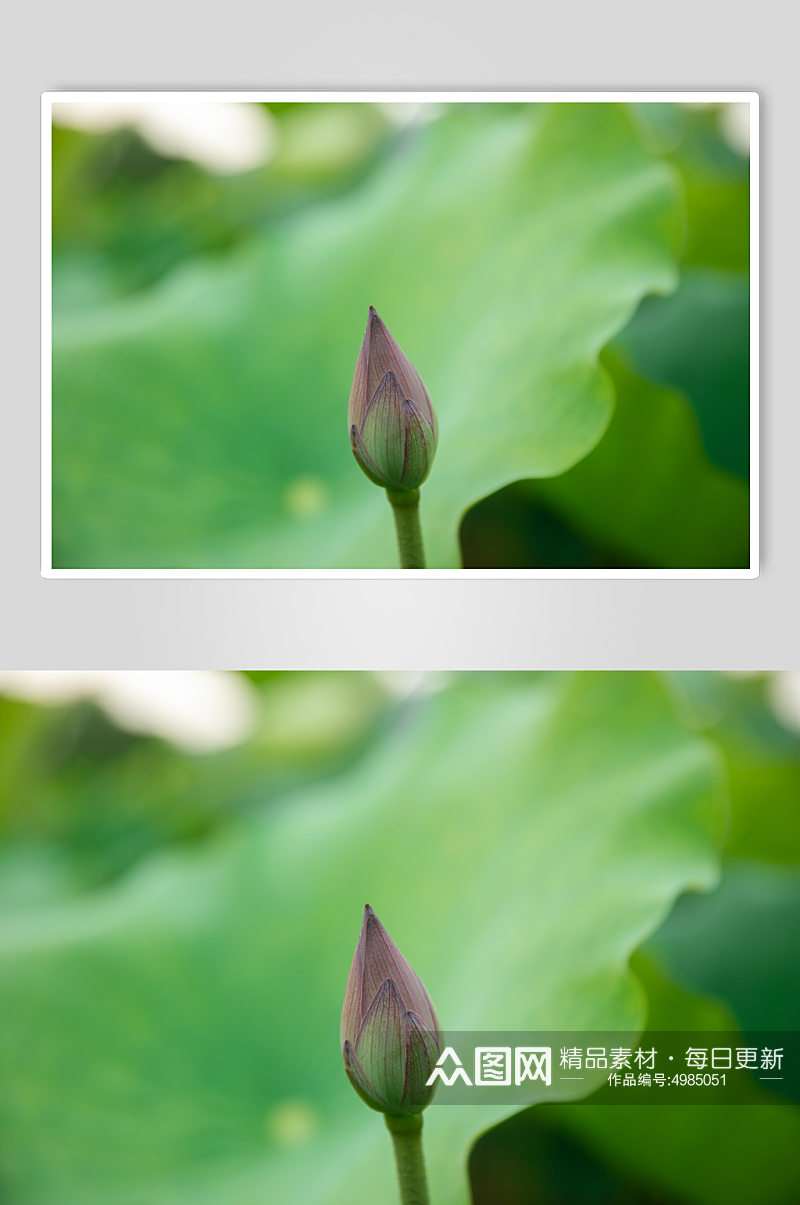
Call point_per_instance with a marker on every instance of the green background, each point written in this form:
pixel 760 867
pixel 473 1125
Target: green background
pixel 206 328
pixel 548 850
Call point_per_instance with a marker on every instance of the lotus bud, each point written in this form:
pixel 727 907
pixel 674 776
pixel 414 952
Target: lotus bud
pixel 390 1035
pixel 393 429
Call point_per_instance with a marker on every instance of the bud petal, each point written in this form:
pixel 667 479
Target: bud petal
pixel 364 459
pixel 393 428
pixel 355 1073
pixel 384 430
pixel 420 445
pixel 422 1053
pixel 389 1032
pixel 381 1045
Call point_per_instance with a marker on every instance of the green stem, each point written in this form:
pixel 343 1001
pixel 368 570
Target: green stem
pixel 406 1134
pixel 405 505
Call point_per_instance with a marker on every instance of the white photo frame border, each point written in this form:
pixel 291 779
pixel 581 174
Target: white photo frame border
pixel 397 97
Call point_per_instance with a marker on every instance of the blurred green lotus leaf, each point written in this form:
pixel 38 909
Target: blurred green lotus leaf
pixel 741 944
pixel 200 424
pixel 705 1154
pixel 175 1038
pixel 648 490
pixel 763 756
pixel 698 341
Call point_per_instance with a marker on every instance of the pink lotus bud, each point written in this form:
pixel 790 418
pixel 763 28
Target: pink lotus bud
pixel 390 1035
pixel 393 428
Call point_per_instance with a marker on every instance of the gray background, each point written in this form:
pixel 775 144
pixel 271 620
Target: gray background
pixel 435 623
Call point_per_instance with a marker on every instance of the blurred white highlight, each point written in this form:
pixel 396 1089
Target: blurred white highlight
pixel 402 683
pixel 734 121
pixel 784 697
pixel 403 113
pixel 224 137
pixel 199 710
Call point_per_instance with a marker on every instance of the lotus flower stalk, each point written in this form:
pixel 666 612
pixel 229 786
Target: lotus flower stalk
pixel 393 431
pixel 390 1044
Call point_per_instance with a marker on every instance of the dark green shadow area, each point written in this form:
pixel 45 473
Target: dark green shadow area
pixel 698 341
pixel 524 1162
